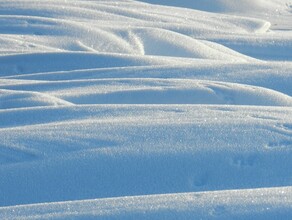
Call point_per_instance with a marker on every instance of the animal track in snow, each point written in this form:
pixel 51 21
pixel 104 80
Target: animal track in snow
pixel 199 180
pixel 288 127
pixel 218 211
pixel 244 160
pixel 283 129
pixel 280 144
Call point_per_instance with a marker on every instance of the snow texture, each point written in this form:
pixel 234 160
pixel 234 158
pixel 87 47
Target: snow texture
pixel 123 109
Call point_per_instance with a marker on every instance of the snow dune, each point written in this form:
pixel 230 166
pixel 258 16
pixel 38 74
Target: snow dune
pixel 145 109
pixel 153 91
pixel 226 204
pixel 125 150
pixel 21 99
pixel 226 6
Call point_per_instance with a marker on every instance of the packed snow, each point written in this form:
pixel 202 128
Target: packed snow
pixel 123 109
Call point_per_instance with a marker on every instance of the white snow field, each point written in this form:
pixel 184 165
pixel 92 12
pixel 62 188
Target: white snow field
pixel 155 109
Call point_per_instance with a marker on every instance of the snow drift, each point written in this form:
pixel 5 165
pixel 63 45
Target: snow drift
pixel 145 109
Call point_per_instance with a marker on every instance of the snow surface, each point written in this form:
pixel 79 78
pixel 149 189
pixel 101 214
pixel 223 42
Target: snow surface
pixel 123 109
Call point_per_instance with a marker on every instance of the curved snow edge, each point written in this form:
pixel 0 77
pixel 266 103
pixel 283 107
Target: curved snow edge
pixel 261 202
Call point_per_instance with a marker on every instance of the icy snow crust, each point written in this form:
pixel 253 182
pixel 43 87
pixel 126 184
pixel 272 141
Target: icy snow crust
pixel 124 109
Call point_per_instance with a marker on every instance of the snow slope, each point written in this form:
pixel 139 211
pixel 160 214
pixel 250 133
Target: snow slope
pixel 127 109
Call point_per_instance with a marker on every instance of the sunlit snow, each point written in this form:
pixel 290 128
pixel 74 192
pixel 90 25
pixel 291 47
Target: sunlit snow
pixel 151 109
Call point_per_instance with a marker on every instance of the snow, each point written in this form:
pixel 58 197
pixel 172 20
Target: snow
pixel 239 204
pixel 124 109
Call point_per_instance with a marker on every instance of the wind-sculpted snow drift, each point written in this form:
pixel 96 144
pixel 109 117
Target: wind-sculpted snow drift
pixel 148 109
